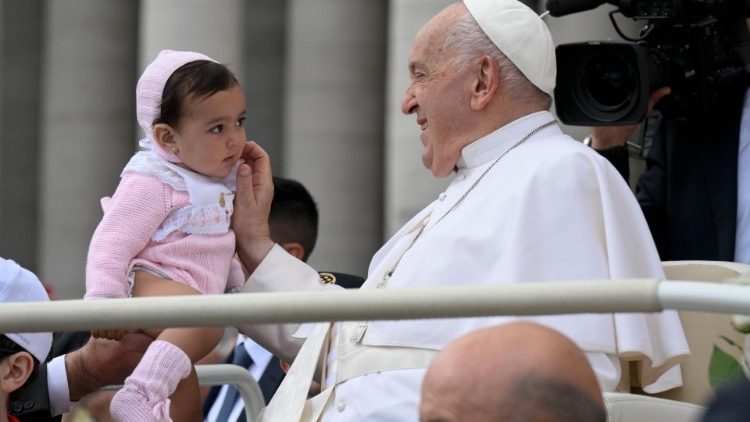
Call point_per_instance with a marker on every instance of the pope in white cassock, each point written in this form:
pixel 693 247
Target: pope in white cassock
pixel 527 203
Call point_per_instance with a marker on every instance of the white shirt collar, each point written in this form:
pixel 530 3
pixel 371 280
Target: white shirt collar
pixel 492 145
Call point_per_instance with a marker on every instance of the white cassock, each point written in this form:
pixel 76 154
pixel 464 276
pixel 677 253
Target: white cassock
pixel 551 209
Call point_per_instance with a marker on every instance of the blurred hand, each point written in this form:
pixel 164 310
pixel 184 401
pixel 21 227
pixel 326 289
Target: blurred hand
pixel 604 137
pixel 103 362
pixel 252 205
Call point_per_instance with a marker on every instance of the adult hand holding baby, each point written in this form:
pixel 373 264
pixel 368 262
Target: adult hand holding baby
pixel 252 205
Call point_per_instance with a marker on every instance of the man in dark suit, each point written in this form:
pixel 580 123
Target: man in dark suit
pixel 689 192
pixel 293 223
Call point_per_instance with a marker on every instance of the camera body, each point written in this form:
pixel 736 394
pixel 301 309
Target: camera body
pixel 696 47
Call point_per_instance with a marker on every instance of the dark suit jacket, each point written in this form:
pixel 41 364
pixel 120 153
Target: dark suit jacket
pixel 269 382
pixel 688 192
pixel 31 403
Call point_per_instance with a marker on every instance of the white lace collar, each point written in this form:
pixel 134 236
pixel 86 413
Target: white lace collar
pixel 211 205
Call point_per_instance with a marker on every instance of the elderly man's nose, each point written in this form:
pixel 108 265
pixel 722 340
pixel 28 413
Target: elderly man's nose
pixel 409 102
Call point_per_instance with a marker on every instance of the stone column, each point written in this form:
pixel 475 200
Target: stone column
pixel 248 36
pixel 20 55
pixel 213 28
pixel 264 63
pixel 409 186
pixel 87 127
pixel 334 123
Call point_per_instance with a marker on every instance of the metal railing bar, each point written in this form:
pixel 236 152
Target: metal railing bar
pixel 562 297
pixel 547 298
pixel 542 298
pixel 705 297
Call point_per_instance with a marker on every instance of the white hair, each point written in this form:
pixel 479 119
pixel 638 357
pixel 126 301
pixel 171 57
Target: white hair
pixel 468 42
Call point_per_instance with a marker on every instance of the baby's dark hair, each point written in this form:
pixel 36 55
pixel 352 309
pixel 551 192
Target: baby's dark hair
pixel 200 78
pixel 9 347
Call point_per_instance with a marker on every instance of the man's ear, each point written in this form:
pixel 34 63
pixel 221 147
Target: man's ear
pixel 486 83
pixel 14 371
pixel 295 249
pixel 164 136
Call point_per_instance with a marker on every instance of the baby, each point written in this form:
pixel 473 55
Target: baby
pixel 166 230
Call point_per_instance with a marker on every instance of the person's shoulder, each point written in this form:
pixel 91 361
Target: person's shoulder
pixel 347 281
pixel 560 164
pixel 134 181
pixel 143 186
pixel 560 151
pixel 730 403
pixel 562 143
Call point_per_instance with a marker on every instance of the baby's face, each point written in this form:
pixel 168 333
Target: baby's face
pixel 211 133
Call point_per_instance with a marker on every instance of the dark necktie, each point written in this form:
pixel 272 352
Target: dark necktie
pixel 243 359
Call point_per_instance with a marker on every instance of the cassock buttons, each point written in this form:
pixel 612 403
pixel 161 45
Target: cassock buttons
pixel 442 196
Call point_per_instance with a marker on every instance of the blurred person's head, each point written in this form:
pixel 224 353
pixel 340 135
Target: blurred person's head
pixel 293 220
pixel 20 353
pixel 519 371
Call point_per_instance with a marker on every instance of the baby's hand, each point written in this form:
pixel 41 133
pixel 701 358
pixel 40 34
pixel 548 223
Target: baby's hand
pixel 116 335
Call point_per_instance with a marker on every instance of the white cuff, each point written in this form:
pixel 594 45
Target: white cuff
pixel 281 272
pixel 57 386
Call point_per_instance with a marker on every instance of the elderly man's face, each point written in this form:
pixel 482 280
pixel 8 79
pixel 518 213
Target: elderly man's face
pixel 439 94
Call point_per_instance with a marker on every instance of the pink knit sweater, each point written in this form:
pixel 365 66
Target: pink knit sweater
pixel 124 238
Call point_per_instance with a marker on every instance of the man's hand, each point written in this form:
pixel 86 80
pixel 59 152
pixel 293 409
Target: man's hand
pixel 252 206
pixel 605 137
pixel 103 362
pixel 109 334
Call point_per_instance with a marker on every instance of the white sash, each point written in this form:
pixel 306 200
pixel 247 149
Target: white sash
pixel 353 360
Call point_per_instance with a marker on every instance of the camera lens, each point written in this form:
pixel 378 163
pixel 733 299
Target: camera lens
pixel 605 88
pixel 602 83
pixel 607 80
